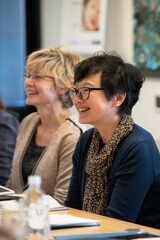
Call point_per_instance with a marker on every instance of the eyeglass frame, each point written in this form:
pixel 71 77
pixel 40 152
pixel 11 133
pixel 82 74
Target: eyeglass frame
pixel 26 76
pixel 78 91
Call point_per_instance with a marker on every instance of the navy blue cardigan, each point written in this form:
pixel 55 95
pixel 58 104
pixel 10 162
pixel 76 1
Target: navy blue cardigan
pixel 9 126
pixel 134 178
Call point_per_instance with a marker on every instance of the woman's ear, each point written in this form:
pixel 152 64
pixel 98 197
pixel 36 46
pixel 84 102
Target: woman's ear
pixel 119 99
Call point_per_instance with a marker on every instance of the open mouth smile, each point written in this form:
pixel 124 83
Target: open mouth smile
pixel 84 109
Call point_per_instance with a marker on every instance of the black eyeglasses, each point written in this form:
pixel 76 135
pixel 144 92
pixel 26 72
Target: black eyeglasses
pixel 83 93
pixel 35 77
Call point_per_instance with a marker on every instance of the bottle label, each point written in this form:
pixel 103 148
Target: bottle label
pixel 37 216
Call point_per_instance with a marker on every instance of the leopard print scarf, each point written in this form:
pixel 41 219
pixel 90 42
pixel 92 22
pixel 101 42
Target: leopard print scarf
pixel 98 163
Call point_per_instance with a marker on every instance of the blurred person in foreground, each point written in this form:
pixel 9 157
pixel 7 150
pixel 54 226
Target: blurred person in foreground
pixel 8 132
pixel 47 138
pixel 116 164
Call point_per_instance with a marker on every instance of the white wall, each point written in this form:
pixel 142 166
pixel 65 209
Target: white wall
pixel 119 37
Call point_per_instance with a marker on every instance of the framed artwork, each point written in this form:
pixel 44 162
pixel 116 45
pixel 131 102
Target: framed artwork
pixel 147 36
pixel 84 25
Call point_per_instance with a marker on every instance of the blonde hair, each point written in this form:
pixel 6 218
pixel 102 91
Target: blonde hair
pixel 57 63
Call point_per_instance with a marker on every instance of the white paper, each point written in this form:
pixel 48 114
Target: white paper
pixel 5 191
pixel 13 204
pixel 54 204
pixel 9 205
pixel 68 220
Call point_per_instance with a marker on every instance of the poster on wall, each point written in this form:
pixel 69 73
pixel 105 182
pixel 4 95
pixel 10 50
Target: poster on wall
pixel 84 25
pixel 147 36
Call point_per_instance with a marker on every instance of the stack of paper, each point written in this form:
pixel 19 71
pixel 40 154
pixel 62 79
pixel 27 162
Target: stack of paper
pixel 67 221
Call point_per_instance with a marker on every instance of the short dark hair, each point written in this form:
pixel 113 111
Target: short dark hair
pixel 116 77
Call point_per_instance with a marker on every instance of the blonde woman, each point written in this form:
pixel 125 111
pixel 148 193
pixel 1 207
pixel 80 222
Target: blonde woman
pixel 47 138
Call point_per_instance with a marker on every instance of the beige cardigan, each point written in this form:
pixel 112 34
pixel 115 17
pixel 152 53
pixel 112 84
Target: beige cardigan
pixel 55 165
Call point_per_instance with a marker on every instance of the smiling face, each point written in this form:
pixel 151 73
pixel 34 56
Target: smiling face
pixel 97 110
pixel 40 89
pixel 91 15
pixel 51 74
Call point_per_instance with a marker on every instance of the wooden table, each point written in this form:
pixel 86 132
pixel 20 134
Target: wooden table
pixel 106 225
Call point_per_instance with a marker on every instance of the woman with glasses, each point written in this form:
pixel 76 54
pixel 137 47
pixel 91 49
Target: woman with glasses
pixel 116 164
pixel 47 138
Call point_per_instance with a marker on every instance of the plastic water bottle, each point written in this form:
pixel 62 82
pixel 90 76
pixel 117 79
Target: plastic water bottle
pixel 34 210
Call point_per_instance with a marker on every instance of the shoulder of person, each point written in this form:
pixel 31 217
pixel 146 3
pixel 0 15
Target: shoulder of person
pixel 8 118
pixel 4 114
pixel 138 137
pixel 86 137
pixel 31 118
pixel 140 134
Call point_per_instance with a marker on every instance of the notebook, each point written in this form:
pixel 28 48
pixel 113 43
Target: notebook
pixel 68 221
pixel 10 202
pixel 111 236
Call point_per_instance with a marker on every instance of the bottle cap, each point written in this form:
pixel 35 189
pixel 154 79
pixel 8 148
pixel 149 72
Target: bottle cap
pixel 34 180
